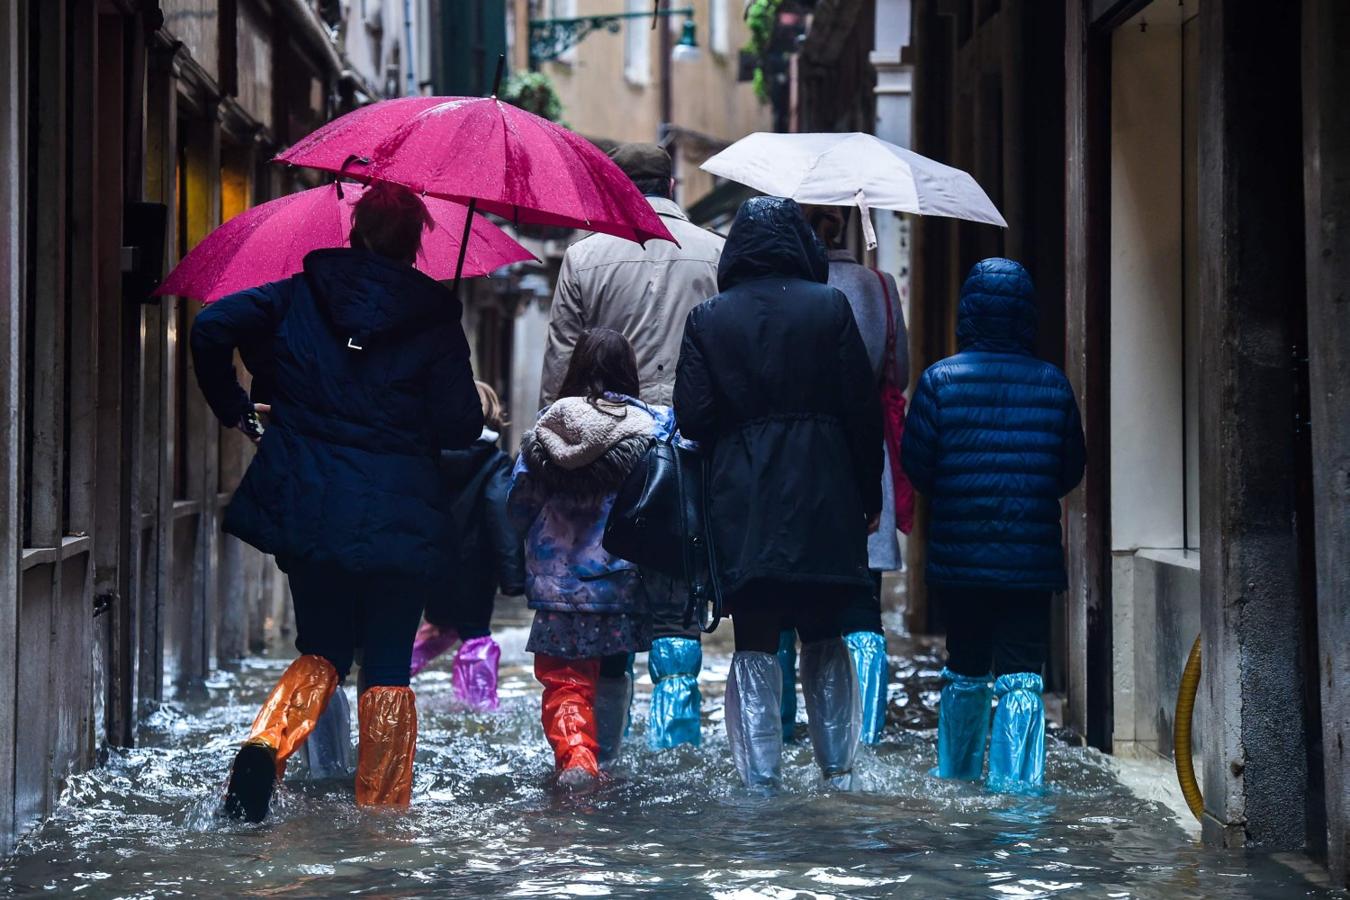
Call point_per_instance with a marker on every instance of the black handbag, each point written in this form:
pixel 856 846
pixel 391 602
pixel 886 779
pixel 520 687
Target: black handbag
pixel 659 521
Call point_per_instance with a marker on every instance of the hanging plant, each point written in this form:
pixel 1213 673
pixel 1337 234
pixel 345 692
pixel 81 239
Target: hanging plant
pixel 762 19
pixel 534 93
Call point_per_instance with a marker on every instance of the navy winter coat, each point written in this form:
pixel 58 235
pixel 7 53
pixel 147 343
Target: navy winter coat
pixel 774 376
pixel 371 380
pixel 994 440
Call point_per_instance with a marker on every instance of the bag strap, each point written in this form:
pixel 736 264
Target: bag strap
pixel 888 366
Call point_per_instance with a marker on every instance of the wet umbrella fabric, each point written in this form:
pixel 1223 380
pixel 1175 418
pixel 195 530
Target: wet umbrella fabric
pixel 269 242
pixel 850 169
pixel 511 162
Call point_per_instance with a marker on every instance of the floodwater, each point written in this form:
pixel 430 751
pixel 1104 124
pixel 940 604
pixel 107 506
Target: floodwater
pixel 488 821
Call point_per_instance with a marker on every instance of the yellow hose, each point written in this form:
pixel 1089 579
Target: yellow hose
pixel 1181 732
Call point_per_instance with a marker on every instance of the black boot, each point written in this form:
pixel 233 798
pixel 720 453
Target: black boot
pixel 252 780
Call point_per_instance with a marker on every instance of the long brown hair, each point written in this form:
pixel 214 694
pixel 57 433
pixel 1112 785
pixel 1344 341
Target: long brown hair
pixel 602 362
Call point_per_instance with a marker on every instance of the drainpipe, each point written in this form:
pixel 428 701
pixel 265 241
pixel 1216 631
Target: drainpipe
pixel 666 135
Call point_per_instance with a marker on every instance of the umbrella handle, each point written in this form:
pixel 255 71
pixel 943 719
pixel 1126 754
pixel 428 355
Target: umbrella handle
pixel 464 244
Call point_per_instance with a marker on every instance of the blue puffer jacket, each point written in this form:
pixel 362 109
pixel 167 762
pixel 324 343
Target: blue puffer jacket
pixel 371 380
pixel 994 440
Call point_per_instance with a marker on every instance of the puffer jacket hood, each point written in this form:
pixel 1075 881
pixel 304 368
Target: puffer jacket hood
pixel 364 295
pixel 771 239
pixel 998 309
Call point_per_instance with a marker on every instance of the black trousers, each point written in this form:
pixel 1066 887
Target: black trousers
pixel 469 613
pixel 761 610
pixel 992 630
pixel 337 611
pixel 864 612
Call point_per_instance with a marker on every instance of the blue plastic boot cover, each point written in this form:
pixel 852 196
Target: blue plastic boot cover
pixel 963 725
pixel 613 696
pixel 868 650
pixel 1017 746
pixel 833 713
pixel 787 661
pixel 674 663
pixel 754 730
pixel 328 749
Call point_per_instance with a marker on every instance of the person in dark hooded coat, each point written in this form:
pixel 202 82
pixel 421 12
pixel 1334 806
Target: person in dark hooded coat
pixel 774 377
pixel 369 381
pixel 994 441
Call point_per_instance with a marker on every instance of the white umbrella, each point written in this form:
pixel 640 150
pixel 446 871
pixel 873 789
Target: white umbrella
pixel 826 169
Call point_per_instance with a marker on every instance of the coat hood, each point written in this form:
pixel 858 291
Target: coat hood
pixel 998 309
pixel 575 432
pixel 365 295
pixel 771 239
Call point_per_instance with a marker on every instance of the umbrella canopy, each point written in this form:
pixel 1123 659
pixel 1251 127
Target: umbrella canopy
pixel 846 169
pixel 512 163
pixel 269 242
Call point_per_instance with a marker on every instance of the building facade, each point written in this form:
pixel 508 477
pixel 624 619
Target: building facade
pixel 128 130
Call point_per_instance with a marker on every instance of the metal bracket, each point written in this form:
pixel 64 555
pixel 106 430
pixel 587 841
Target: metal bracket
pixel 104 602
pixel 551 38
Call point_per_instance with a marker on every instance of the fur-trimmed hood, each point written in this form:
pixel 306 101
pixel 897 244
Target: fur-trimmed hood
pixel 602 476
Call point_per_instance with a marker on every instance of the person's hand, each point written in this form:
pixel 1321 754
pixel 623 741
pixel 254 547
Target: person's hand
pixel 262 409
pixel 250 425
pixel 874 523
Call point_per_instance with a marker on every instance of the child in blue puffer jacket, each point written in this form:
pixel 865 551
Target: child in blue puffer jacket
pixel 590 608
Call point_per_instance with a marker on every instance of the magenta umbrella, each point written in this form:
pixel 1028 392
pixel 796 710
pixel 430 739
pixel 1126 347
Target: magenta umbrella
pixel 269 243
pixel 495 156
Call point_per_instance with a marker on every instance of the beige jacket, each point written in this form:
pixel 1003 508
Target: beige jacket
pixel 642 293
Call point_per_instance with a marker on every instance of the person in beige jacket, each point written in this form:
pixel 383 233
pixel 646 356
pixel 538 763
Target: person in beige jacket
pixel 644 293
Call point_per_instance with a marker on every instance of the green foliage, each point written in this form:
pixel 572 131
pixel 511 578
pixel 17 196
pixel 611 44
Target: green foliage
pixel 761 84
pixel 534 92
pixel 761 17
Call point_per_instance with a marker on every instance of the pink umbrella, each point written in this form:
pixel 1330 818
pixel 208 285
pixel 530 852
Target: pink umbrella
pixel 512 163
pixel 269 243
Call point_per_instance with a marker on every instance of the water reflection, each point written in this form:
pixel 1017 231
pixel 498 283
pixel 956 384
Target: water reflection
pixel 488 822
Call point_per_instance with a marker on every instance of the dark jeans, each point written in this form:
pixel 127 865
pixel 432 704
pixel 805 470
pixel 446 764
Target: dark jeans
pixel 761 610
pixel 864 612
pixel 668 599
pixel 992 630
pixel 337 611
pixel 470 618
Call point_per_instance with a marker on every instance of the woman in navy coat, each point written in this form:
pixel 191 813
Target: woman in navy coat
pixel 369 381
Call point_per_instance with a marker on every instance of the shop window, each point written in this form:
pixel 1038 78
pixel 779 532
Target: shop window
pixel 1154 284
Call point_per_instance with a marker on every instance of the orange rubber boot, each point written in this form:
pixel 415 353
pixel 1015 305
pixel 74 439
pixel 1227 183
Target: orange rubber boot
pixel 384 758
pixel 569 711
pixel 285 720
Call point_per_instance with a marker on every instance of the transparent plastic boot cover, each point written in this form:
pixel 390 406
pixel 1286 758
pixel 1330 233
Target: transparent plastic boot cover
pixel 612 699
pixel 754 725
pixel 674 663
pixel 833 713
pixel 787 661
pixel 868 650
pixel 1017 745
pixel 328 749
pixel 963 725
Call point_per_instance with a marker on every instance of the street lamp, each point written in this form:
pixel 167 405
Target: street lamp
pixel 687 49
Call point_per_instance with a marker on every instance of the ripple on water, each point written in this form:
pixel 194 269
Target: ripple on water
pixel 488 821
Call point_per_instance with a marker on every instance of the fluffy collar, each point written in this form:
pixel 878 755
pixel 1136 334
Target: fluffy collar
pixel 575 432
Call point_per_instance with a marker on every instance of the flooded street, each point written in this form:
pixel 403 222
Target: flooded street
pixel 487 820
